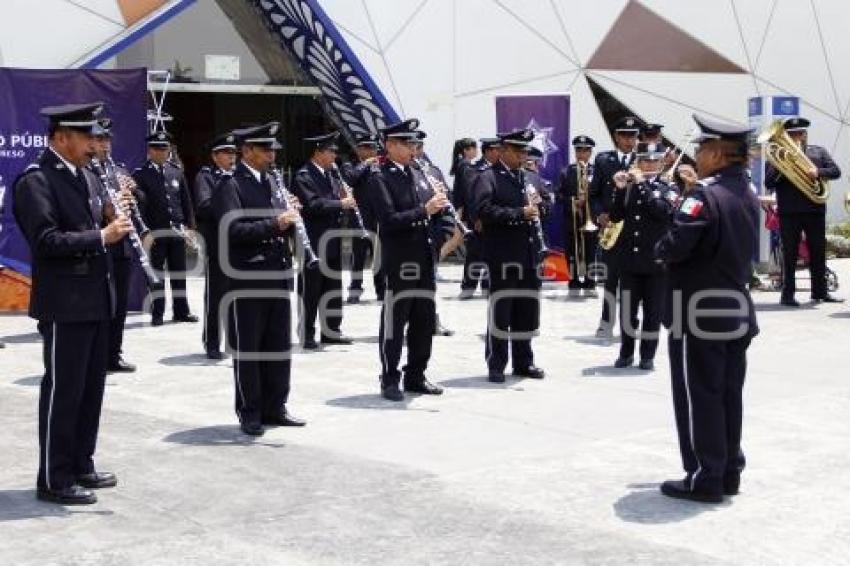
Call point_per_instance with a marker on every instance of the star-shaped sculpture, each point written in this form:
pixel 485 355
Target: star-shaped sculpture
pixel 542 140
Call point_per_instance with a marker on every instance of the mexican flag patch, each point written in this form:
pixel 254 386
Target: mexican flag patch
pixel 691 206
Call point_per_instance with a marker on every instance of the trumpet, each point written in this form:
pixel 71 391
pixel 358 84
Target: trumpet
pixel 438 186
pixel 588 227
pixel 280 198
pixel 114 196
pixel 541 249
pixel 348 192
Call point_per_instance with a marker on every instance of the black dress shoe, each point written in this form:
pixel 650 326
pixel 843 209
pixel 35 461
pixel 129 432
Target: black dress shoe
pixel 533 372
pixel 466 294
pixel 186 318
pixel 789 302
pixel 157 321
pixel 310 344
pixel 97 480
pixel 422 386
pixel 604 332
pixel 731 485
pixel 252 428
pixel 828 299
pixel 392 393
pixel 120 366
pixel 338 339
pixel 352 299
pixel 621 362
pixel 284 418
pixel 440 330
pixel 71 495
pixel 647 365
pixel 496 376
pixel 679 489
pixel 216 354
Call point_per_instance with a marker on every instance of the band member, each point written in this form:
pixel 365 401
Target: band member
pixel 645 205
pixel 357 176
pixel 474 266
pixel 73 298
pixel 167 210
pixel 798 214
pixel 507 219
pixel 579 231
pixel 223 158
pixel 711 314
pixel 261 264
pixel 405 206
pixel 121 252
pixel 651 133
pixel 544 188
pixel 608 163
pixel 320 288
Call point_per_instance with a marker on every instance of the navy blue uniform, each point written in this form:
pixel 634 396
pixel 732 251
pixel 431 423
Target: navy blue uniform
pixel 357 177
pixel 709 253
pixel 798 214
pixel 319 193
pixel 567 191
pixel 73 298
pixel 166 204
pixel 474 266
pixel 605 166
pixel 398 197
pixel 256 325
pixel 508 247
pixel 646 209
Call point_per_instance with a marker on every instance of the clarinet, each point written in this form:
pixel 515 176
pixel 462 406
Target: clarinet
pixel 450 208
pixel 281 197
pixel 135 214
pixel 539 238
pixel 135 240
pixel 358 218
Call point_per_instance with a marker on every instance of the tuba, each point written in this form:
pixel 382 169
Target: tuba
pixel 789 158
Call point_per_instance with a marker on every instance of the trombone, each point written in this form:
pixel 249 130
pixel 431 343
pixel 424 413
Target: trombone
pixel 579 237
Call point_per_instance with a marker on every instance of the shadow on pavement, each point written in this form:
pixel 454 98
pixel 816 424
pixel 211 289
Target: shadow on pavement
pixel 198 359
pixel 646 505
pixel 481 382
pixel 376 402
pixel 21 505
pixel 611 371
pixel 218 435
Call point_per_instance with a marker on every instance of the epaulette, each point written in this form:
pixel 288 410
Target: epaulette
pixel 136 170
pixel 206 169
pixel 708 181
pixel 32 167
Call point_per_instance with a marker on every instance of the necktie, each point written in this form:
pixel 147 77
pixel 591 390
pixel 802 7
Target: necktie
pixel 624 164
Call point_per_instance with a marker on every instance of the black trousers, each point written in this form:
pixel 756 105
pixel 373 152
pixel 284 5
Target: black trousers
pixel 590 243
pixel 361 248
pixel 169 253
pixel 70 400
pixel 408 304
pixel 608 264
pixel 215 286
pixel 321 295
pixel 514 307
pixel 708 382
pixel 474 265
pixel 791 226
pixel 121 270
pixel 259 337
pixel 640 290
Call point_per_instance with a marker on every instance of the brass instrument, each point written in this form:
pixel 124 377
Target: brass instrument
pixel 790 159
pixel 588 227
pixel 349 192
pixel 438 186
pixel 541 249
pixel 611 233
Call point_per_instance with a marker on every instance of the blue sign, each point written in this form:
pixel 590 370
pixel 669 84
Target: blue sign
pixel 756 107
pixel 786 106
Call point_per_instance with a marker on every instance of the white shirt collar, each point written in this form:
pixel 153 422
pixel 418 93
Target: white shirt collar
pixel 397 164
pixel 257 175
pixel 319 167
pixel 621 154
pixel 71 167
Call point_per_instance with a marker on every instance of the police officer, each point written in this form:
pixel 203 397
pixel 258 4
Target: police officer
pixel 799 214
pixel 357 176
pixel 223 158
pixel 608 163
pixel 122 252
pixel 645 204
pixel 474 266
pixel 575 208
pixel 73 297
pixel 405 206
pixel 261 264
pixel 512 259
pixel 710 313
pixel 167 210
pixel 320 288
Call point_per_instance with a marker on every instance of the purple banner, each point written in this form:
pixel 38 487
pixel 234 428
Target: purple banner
pixel 548 115
pixel 23 132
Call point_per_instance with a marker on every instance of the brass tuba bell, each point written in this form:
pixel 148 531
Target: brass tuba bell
pixel 789 158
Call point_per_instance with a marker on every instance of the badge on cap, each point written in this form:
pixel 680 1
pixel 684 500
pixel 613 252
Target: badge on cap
pixel 273 129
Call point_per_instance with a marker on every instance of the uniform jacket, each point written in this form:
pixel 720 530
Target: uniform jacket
pixel 789 199
pixel 601 188
pixel 322 210
pixel 710 248
pixel 203 189
pixel 166 196
pixel 254 243
pixel 647 210
pixel 500 198
pixel 61 216
pixel 357 176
